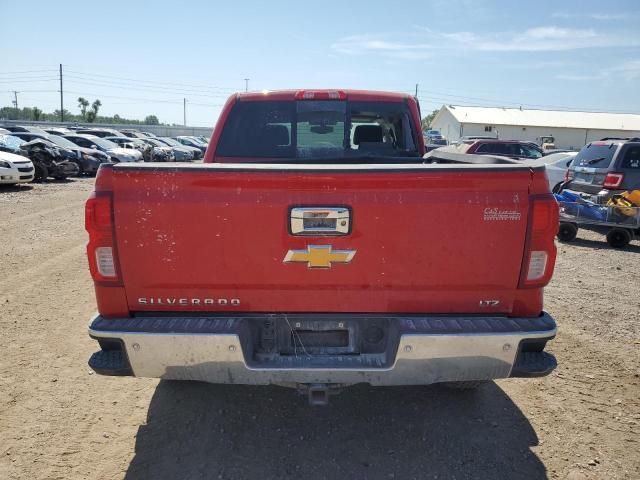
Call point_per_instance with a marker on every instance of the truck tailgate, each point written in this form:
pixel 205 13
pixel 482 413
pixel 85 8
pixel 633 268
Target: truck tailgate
pixel 214 238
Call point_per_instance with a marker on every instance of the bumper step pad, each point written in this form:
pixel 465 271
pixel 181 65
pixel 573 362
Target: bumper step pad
pixel 533 364
pixel 110 362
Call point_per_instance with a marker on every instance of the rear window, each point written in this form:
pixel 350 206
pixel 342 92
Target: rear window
pixel 595 155
pixel 307 130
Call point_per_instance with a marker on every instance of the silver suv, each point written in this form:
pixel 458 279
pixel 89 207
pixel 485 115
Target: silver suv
pixel 606 167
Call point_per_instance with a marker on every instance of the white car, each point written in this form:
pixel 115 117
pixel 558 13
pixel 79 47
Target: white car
pixel 15 169
pixel 556 165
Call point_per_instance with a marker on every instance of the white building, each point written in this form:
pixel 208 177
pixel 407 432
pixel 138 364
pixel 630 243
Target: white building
pixel 571 130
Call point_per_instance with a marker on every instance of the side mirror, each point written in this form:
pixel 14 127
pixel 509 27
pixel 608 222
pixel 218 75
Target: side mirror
pixel 95 147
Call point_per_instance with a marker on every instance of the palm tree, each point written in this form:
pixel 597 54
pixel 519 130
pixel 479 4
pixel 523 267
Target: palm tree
pixel 93 113
pixel 83 103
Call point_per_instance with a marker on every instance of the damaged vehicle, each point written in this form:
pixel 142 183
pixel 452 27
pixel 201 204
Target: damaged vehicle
pixel 113 150
pixel 196 153
pixel 87 159
pixel 49 161
pixel 150 153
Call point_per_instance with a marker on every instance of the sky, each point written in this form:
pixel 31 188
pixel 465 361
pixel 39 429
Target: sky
pixel 143 58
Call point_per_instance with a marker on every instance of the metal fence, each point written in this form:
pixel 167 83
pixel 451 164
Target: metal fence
pixel 159 130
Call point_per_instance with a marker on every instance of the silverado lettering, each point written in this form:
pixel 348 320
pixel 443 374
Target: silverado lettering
pixel 188 301
pixel 453 253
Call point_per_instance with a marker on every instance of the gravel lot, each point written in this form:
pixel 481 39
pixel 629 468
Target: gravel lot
pixel 58 420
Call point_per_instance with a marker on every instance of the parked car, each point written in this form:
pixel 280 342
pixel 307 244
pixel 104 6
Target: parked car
pixel 192 142
pixel 606 167
pixel 49 160
pixel 101 132
pixel 133 133
pixel 196 153
pixel 556 165
pixel 61 131
pixel 4 131
pixel 15 169
pixel 11 143
pixel 87 159
pixel 24 128
pixel 113 150
pixel 163 152
pixel 382 270
pixel 149 134
pixel 150 153
pixel 515 149
pixel 433 137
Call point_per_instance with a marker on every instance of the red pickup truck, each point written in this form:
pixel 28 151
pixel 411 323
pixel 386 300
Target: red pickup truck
pixel 318 247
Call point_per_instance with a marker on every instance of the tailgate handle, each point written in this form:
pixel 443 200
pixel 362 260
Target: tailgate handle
pixel 319 221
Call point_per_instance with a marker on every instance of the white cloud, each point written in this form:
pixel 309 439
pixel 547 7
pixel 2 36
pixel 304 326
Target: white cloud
pixel 580 78
pixel 595 15
pixel 361 44
pixel 424 42
pixel 628 70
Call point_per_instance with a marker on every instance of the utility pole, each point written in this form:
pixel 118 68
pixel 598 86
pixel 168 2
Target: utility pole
pixel 61 97
pixel 246 84
pixel 15 101
pixel 184 111
pixel 416 90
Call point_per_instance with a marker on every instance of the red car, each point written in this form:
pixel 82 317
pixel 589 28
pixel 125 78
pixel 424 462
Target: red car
pixel 317 248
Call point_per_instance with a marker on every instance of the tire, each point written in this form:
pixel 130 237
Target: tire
pixel 468 385
pixel 618 237
pixel 557 188
pixel 81 170
pixel 567 232
pixel 40 173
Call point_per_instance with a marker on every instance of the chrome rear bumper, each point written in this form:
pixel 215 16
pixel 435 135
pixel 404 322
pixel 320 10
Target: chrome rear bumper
pixel 420 350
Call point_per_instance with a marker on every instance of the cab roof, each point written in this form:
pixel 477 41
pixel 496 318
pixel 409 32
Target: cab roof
pixel 358 95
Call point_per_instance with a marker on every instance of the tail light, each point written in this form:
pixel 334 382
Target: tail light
pixel 101 249
pixel 613 180
pixel 540 250
pixel 320 95
pixel 569 175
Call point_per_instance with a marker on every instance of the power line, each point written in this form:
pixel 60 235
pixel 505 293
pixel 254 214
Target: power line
pixel 124 86
pixel 33 91
pixel 27 71
pixel 140 99
pixel 13 80
pixel 207 87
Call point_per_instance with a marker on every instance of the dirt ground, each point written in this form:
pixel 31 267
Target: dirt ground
pixel 58 420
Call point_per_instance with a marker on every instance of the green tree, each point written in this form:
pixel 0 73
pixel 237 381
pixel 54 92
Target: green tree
pixel 93 113
pixel 83 103
pixel 426 121
pixel 95 106
pixel 37 113
pixel 151 120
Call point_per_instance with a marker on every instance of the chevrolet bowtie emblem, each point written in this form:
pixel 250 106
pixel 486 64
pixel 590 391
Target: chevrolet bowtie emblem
pixel 319 256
